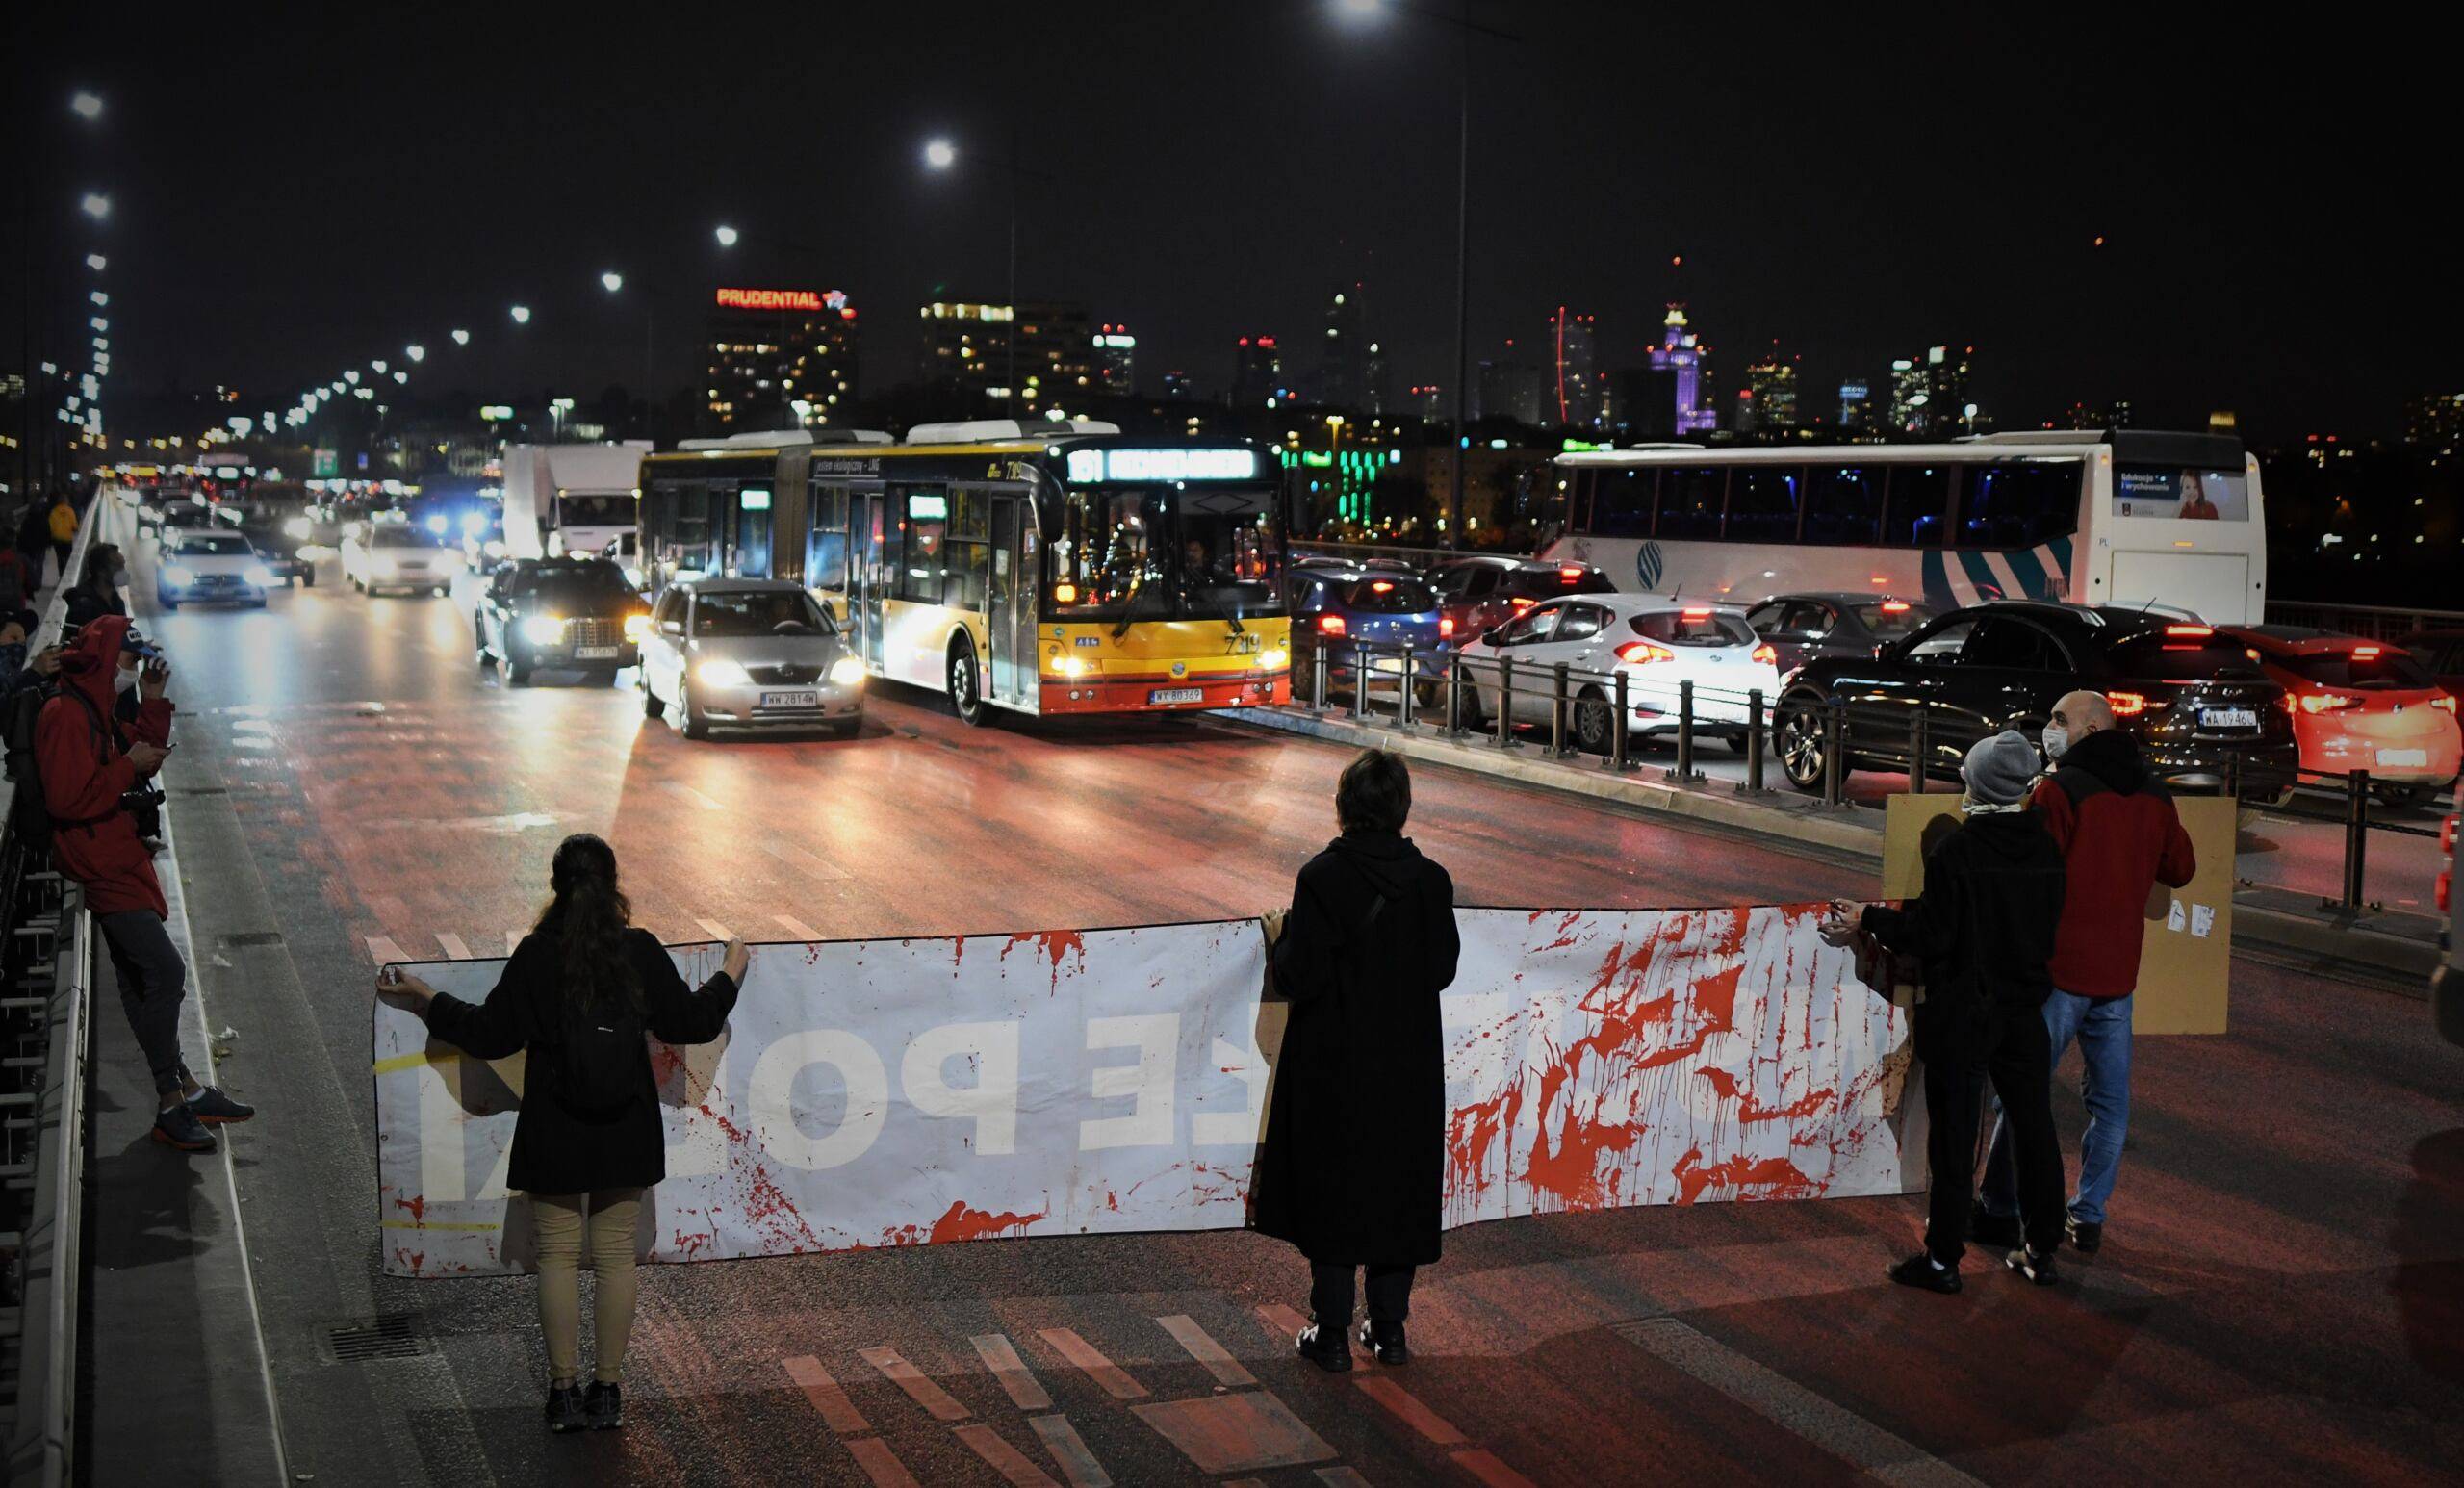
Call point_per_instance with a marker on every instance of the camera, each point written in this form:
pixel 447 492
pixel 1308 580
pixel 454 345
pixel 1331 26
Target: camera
pixel 144 808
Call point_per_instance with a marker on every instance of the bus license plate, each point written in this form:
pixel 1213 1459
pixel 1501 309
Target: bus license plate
pixel 2403 758
pixel 791 699
pixel 594 654
pixel 1176 695
pixel 2228 718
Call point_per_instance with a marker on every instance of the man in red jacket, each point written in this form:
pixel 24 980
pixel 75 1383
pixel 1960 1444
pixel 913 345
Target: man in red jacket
pixel 87 765
pixel 2120 837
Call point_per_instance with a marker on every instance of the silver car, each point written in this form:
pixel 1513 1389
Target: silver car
pixel 749 653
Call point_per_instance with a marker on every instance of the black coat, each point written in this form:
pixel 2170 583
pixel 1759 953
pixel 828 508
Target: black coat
pixel 1984 926
pixel 1353 1168
pixel 555 1151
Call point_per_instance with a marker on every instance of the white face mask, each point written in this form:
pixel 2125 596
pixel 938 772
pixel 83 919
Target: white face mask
pixel 127 682
pixel 2057 740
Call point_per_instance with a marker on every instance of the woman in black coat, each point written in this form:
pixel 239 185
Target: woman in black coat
pixel 579 992
pixel 1353 1168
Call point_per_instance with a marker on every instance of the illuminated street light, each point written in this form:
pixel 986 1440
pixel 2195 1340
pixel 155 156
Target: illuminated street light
pixel 461 338
pixel 613 281
pixel 96 262
pixel 726 235
pixel 98 323
pixel 416 354
pixel 402 376
pixel 87 106
pixel 378 367
pixel 521 314
pixel 96 205
pixel 99 297
pixel 941 154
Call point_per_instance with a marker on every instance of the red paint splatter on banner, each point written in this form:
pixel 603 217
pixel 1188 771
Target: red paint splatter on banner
pixel 1749 1107
pixel 417 1204
pixel 964 1224
pixel 1776 1176
pixel 1054 944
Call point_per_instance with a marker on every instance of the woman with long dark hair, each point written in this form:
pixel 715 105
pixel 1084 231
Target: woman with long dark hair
pixel 580 992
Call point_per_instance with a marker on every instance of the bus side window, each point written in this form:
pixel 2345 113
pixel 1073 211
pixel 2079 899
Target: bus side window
pixel 1621 500
pixel 826 548
pixel 1844 505
pixel 968 548
pixel 2018 503
pixel 1691 500
pixel 926 523
pixel 1763 501
pixel 1920 501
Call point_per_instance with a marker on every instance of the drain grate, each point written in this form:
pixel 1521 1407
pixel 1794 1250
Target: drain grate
pixel 251 938
pixel 392 1336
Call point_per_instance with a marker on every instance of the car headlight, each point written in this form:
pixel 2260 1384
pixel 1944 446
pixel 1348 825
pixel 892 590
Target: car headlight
pixel 1273 658
pixel 847 672
pixel 437 524
pixel 542 629
pixel 636 626
pixel 298 528
pixel 179 575
pixel 474 523
pixel 258 575
pixel 720 671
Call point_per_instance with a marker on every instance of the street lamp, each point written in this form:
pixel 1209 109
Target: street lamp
pixel 96 262
pixel 726 235
pixel 416 354
pixel 941 154
pixel 461 338
pixel 521 314
pixel 95 205
pixel 85 106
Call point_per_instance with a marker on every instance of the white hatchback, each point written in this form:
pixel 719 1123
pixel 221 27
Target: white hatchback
pixel 1653 641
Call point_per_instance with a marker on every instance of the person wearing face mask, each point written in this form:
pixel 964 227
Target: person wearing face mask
pixel 88 762
pixel 19 671
pixel 97 589
pixel 2119 836
pixel 1983 928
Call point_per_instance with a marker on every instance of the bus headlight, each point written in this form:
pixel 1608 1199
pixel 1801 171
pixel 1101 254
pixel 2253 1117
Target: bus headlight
pixel 544 630
pixel 847 672
pixel 636 626
pixel 720 671
pixel 1275 658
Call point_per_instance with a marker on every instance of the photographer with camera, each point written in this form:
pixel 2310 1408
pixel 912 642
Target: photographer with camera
pixel 91 767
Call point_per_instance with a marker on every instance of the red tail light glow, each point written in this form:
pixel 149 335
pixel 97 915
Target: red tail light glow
pixel 1330 625
pixel 2127 705
pixel 1766 656
pixel 1381 586
pixel 1696 612
pixel 1521 604
pixel 1642 652
pixel 1571 571
pixel 1894 606
pixel 1445 625
pixel 2326 702
pixel 2194 630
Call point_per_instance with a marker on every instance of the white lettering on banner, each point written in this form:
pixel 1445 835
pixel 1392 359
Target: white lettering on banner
pixel 1146 1084
pixel 1114 1080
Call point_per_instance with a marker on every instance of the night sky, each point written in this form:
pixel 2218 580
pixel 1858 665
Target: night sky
pixel 301 192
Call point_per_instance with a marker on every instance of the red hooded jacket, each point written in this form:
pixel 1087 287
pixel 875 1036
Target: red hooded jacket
pixel 2119 836
pixel 85 773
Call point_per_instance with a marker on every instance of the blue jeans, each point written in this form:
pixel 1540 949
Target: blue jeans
pixel 2102 1028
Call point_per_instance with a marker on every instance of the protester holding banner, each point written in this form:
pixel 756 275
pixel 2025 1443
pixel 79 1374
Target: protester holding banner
pixel 579 993
pixel 1352 1169
pixel 1983 928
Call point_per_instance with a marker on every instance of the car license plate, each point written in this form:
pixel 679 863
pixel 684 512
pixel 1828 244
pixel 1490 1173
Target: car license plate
pixel 1176 695
pixel 805 698
pixel 2228 718
pixel 2403 758
pixel 595 652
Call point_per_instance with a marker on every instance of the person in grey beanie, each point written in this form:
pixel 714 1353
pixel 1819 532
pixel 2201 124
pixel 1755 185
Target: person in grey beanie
pixel 1983 928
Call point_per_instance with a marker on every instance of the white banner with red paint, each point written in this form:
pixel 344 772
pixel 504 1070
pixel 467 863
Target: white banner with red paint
pixel 893 1093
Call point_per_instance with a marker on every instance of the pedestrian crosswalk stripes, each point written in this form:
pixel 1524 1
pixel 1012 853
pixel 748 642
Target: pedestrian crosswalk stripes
pixel 894 1368
pixel 1090 1361
pixel 1011 1372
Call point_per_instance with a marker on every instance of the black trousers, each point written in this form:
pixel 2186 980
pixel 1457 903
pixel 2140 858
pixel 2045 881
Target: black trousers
pixel 152 982
pixel 2009 1046
pixel 1389 1295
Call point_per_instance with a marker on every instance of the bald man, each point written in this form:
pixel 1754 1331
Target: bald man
pixel 2119 836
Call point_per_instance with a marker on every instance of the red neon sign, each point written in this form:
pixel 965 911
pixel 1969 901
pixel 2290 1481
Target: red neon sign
pixel 770 300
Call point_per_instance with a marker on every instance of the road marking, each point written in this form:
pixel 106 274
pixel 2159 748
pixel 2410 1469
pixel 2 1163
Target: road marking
pixel 837 1412
pixel 705 802
pixel 880 1464
pixel 1830 1427
pixel 1415 1414
pixel 714 930
pixel 384 952
pixel 1483 1464
pixel 1089 1358
pixel 1077 1463
pixel 454 949
pixel 797 928
pixel 908 1377
pixel 1006 1459
pixel 1202 1348
pixel 1016 1380
pixel 797 857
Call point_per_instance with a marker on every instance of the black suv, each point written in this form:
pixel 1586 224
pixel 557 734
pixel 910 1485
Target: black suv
pixel 2201 707
pixel 278 529
pixel 558 614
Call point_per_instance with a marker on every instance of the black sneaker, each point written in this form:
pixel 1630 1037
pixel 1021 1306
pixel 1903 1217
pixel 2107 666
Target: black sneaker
pixel 1921 1270
pixel 179 1127
pixel 1386 1345
pixel 2085 1236
pixel 211 1105
pixel 1998 1231
pixel 605 1404
pixel 564 1409
pixel 2038 1269
pixel 1329 1352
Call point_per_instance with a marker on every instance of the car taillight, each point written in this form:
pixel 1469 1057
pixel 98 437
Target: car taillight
pixel 1381 587
pixel 2191 631
pixel 1894 606
pixel 1330 625
pixel 1642 652
pixel 2127 705
pixel 2365 651
pixel 1571 571
pixel 2446 888
pixel 1521 604
pixel 1766 656
pixel 1445 625
pixel 1696 612
pixel 2326 702
pixel 2447 836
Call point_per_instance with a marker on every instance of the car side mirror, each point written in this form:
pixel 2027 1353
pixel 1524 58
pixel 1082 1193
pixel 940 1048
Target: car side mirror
pixel 671 628
pixel 1489 636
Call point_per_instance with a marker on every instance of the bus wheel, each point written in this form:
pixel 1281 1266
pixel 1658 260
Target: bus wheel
pixel 966 689
pixel 1801 741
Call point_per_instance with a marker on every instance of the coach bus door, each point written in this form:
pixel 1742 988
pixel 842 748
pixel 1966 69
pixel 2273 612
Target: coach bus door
pixel 1009 619
pixel 867 573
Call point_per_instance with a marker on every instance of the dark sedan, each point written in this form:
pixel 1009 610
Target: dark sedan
pixel 2201 707
pixel 558 614
pixel 1799 628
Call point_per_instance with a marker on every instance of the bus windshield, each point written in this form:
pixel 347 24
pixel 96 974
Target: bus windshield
pixel 1159 553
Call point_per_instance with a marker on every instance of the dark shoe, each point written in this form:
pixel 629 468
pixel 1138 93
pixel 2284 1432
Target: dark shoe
pixel 2038 1269
pixel 1921 1270
pixel 1999 1231
pixel 1329 1353
pixel 2085 1237
pixel 179 1127
pixel 564 1409
pixel 1386 1345
pixel 211 1105
pixel 605 1404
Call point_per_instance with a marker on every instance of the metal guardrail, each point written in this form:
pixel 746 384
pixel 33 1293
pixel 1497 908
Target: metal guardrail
pixel 2371 622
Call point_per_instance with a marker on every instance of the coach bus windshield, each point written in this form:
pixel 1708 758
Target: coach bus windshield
pixel 1144 553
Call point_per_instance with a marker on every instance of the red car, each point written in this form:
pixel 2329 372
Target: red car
pixel 2360 705
pixel 1480 591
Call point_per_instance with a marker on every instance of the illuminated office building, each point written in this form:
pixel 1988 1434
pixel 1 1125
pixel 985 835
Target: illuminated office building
pixel 1578 392
pixel 968 343
pixel 778 357
pixel 1680 355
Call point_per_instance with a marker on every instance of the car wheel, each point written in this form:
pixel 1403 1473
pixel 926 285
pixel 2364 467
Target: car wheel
pixel 1468 715
pixel 2399 798
pixel 652 706
pixel 966 689
pixel 1595 721
pixel 1801 726
pixel 443 590
pixel 516 672
pixel 693 725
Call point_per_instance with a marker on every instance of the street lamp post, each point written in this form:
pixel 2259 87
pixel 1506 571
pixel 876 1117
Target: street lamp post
pixel 942 155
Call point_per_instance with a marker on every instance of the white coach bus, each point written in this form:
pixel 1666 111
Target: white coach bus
pixel 2124 517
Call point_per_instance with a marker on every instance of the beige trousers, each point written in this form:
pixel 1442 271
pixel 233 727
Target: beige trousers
pixel 562 1220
